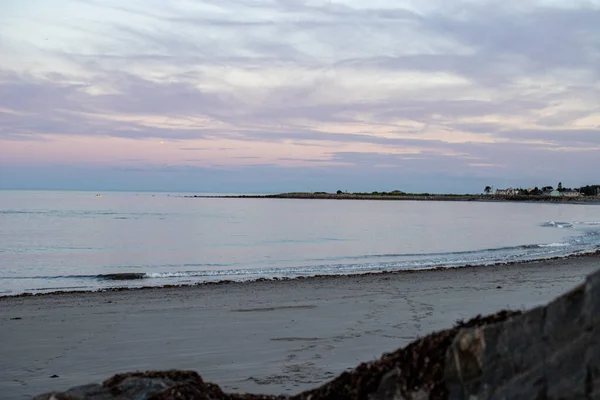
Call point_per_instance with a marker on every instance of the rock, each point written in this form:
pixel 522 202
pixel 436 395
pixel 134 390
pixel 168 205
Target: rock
pixel 157 385
pixel 550 352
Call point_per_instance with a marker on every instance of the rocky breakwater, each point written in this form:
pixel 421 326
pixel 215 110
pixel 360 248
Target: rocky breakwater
pixel 550 352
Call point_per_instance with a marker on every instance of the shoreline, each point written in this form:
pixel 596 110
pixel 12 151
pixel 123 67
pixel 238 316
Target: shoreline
pixel 387 273
pixel 595 200
pixel 268 337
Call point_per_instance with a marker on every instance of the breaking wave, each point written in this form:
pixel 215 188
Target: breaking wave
pixel 401 262
pixel 123 276
pixel 553 224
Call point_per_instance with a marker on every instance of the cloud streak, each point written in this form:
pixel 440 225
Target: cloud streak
pixel 476 90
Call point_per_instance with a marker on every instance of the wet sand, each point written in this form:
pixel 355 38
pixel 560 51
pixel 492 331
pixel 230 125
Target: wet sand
pixel 263 337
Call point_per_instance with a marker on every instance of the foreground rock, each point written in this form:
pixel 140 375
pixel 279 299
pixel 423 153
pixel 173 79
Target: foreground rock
pixel 550 352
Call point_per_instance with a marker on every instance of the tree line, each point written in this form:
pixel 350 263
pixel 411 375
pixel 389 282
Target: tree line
pixel 588 190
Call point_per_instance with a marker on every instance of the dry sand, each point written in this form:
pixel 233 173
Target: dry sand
pixel 267 337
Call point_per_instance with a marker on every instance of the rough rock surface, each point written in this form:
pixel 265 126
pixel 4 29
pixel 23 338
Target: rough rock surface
pixel 550 352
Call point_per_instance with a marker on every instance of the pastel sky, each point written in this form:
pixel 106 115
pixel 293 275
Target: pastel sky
pixel 278 95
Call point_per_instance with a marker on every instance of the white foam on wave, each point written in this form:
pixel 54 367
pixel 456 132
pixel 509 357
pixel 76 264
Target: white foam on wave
pixel 341 269
pixel 555 245
pixel 174 274
pixel 554 224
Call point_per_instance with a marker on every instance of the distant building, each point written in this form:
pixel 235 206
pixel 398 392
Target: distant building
pixel 570 193
pixel 555 193
pixel 507 192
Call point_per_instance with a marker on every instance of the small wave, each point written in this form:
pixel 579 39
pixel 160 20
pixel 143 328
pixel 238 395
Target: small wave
pixel 175 274
pixel 312 240
pixel 506 249
pixel 7 212
pixel 57 213
pixel 334 265
pixel 81 213
pixel 553 224
pixel 207 265
pixel 123 276
pixel 59 288
pixel 554 245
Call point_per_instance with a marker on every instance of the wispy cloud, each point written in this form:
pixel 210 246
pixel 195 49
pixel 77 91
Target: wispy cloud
pixel 477 89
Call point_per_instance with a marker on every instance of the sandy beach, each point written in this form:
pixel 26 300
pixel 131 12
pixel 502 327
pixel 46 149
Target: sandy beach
pixel 262 337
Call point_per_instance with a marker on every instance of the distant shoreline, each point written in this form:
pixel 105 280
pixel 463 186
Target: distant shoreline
pixel 409 197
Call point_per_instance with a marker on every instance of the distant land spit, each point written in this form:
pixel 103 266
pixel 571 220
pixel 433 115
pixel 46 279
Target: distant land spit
pixel 397 195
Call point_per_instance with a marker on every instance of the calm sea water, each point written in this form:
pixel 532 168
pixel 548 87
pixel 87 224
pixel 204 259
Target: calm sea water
pixel 77 241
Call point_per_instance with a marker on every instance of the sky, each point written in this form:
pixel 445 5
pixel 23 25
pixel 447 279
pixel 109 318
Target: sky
pixel 283 95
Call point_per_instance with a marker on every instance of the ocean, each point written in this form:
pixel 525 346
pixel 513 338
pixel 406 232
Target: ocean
pixel 66 240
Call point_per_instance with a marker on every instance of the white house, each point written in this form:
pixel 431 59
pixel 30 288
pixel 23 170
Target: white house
pixel 507 192
pixel 570 193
